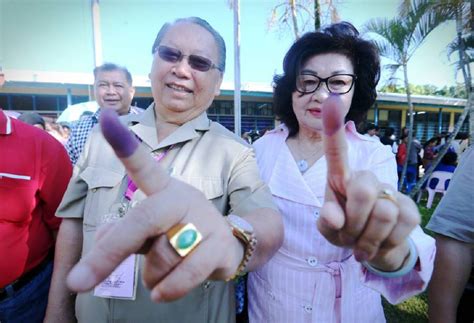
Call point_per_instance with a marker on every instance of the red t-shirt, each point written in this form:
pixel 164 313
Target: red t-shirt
pixel 34 173
pixel 401 154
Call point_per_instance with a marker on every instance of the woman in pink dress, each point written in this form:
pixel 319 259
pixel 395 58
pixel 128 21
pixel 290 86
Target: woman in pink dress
pixel 349 235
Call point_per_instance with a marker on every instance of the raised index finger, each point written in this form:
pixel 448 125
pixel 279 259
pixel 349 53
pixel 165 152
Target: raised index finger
pixel 335 144
pixel 141 167
pixel 126 236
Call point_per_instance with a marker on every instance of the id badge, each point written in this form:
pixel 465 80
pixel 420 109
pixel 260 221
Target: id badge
pixel 122 282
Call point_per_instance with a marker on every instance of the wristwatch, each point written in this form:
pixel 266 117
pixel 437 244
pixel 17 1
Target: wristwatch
pixel 242 230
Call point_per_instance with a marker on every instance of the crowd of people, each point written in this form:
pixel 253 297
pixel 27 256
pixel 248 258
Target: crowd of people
pixel 420 156
pixel 155 215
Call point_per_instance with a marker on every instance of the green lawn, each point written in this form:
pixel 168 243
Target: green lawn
pixel 415 309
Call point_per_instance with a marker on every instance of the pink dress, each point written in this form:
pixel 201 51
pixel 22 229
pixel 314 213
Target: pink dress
pixel 310 280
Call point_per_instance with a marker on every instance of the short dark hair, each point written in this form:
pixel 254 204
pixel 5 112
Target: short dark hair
pixel 450 158
pixel 389 131
pixel 341 38
pixel 32 118
pixel 371 126
pixel 200 22
pixel 109 67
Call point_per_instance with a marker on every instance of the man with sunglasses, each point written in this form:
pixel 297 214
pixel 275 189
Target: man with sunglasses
pixel 113 89
pixel 194 172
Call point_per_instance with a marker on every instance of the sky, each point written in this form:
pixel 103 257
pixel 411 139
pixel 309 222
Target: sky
pixel 262 50
pixel 58 36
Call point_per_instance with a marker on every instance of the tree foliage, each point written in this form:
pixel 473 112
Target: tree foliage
pixel 460 11
pixel 454 91
pixel 301 16
pixel 398 38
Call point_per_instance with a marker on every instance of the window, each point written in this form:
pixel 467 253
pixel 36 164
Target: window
pixel 142 102
pixel 79 99
pixel 22 102
pixel 4 101
pixel 46 103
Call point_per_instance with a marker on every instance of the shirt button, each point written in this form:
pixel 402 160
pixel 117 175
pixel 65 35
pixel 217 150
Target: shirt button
pixel 206 285
pixel 316 213
pixel 312 261
pixel 271 295
pixel 94 190
pixel 308 308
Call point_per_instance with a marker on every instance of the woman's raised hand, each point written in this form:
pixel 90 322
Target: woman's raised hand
pixel 360 212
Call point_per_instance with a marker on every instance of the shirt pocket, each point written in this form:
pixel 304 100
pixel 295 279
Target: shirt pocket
pixel 17 197
pixel 212 187
pixel 104 191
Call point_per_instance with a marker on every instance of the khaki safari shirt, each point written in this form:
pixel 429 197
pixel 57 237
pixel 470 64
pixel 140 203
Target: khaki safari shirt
pixel 205 155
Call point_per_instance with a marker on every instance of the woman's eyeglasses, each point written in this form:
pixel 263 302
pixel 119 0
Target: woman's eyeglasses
pixel 336 84
pixel 196 62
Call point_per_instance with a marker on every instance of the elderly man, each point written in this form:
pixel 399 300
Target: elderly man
pixel 34 172
pixel 213 219
pixel 112 89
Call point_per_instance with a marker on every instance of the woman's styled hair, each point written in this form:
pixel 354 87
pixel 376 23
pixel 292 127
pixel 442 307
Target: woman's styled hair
pixel 340 38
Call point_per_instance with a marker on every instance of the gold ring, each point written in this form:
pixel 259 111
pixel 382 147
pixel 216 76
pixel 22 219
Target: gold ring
pixel 388 194
pixel 184 238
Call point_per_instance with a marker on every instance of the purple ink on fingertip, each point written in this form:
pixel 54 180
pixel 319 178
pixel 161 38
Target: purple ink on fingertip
pixel 332 116
pixel 117 135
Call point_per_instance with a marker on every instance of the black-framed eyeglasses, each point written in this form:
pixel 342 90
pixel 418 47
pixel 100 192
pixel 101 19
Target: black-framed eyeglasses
pixel 196 62
pixel 337 84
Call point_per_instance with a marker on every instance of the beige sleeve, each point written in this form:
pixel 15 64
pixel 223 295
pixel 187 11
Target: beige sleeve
pixel 73 202
pixel 247 191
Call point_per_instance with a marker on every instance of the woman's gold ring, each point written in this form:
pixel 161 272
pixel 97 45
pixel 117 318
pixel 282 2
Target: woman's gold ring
pixel 388 194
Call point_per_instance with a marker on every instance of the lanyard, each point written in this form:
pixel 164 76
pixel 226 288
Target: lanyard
pixel 131 187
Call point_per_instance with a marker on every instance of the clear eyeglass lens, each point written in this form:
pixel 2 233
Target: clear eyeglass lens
pixel 338 84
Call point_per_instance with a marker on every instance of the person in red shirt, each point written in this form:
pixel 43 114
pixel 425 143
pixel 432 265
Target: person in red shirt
pixel 34 172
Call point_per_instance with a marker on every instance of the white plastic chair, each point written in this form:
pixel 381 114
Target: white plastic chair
pixel 440 187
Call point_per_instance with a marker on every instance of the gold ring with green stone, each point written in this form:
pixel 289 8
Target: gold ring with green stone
pixel 184 238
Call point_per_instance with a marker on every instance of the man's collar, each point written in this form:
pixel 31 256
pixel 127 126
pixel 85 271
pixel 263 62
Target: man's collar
pixel 96 114
pixel 145 128
pixel 5 124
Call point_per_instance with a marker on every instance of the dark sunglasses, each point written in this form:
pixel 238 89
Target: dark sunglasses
pixel 196 62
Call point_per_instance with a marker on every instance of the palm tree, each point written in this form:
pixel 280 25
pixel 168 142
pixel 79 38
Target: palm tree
pixel 317 15
pixel 458 10
pixel 399 38
pixel 291 13
pixel 297 14
pixel 331 11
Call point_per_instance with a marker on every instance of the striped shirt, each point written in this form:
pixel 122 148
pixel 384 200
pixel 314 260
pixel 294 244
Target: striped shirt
pixel 309 279
pixel 80 132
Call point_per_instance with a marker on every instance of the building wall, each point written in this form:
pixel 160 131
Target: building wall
pixel 257 112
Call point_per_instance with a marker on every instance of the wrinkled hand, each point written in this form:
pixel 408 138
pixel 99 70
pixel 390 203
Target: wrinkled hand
pixel 169 202
pixel 353 214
